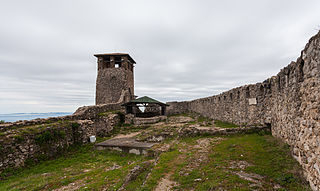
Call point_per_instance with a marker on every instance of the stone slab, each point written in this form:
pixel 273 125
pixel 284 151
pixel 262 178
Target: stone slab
pixel 125 142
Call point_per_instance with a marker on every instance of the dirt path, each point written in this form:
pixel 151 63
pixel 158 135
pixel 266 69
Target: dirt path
pixel 72 186
pixel 166 184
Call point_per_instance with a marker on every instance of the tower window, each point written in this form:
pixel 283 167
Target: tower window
pixel 247 92
pixel 107 61
pixel 117 63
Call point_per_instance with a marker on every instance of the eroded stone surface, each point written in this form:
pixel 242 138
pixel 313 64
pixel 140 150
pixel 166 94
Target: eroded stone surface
pixel 165 184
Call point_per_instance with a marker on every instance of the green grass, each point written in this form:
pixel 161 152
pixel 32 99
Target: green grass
pixel 210 176
pixel 202 119
pixel 32 129
pixel 165 163
pixel 269 158
pixel 109 112
pixel 83 164
pixel 88 167
pixel 222 124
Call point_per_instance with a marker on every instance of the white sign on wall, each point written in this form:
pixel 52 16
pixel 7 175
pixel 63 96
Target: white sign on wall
pixel 252 101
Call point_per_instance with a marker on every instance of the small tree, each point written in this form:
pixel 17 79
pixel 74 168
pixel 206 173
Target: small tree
pixel 2 121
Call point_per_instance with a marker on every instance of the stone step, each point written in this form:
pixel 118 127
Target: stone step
pixel 129 145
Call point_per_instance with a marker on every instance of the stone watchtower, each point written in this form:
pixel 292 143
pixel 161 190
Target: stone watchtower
pixel 115 83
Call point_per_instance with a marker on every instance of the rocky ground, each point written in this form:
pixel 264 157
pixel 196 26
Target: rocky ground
pixel 177 161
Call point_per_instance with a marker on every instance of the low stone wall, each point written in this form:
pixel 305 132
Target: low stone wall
pixel 23 141
pixel 149 120
pixel 104 124
pixel 289 102
pixel 85 112
pixel 41 141
pixel 177 107
pixel 91 112
pixel 196 131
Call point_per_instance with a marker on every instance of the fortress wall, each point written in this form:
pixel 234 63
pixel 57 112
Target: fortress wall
pixel 38 139
pixel 232 106
pixel 32 143
pixel 85 112
pixel 289 102
pixel 177 107
pixel 296 110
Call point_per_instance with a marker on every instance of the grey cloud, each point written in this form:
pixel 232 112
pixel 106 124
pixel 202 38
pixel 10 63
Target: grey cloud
pixel 184 49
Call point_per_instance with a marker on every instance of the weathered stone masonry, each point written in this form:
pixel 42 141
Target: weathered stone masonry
pixel 115 80
pixel 28 140
pixel 289 102
pixel 23 141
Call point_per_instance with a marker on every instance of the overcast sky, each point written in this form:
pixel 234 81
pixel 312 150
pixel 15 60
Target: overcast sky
pixel 184 49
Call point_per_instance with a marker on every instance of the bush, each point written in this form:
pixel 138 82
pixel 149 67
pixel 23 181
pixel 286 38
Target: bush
pixel 19 138
pixel 2 121
pixel 47 137
pixel 75 125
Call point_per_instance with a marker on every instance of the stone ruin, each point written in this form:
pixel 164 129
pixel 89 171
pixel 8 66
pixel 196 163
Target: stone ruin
pixel 289 103
pixel 115 82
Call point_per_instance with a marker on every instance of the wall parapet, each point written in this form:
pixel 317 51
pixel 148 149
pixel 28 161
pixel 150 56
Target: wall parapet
pixel 84 112
pixel 289 102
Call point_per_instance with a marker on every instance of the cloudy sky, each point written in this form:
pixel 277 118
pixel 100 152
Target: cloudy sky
pixel 184 49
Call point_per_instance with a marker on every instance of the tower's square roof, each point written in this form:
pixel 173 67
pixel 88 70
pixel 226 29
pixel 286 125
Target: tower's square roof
pixel 116 54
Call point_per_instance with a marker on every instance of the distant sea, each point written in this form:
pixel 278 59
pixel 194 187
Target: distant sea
pixel 12 117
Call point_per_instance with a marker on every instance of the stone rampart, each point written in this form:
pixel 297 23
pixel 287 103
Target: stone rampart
pixel 32 140
pixel 289 102
pixel 85 112
pixel 19 145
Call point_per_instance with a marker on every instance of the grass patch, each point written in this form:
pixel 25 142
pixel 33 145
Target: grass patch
pixel 269 158
pixel 222 124
pixel 83 164
pixel 167 162
pixel 110 112
pixel 202 119
pixel 192 167
pixel 33 129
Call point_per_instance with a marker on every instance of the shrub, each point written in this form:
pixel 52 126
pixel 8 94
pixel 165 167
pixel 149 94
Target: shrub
pixel 75 125
pixel 19 138
pixel 47 137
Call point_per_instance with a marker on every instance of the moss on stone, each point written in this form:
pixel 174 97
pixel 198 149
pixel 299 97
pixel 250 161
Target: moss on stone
pixel 109 112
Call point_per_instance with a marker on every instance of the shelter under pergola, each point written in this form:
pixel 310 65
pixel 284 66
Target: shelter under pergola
pixel 145 107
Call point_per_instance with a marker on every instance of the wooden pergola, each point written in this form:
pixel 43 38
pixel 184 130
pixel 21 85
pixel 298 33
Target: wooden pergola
pixel 152 107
